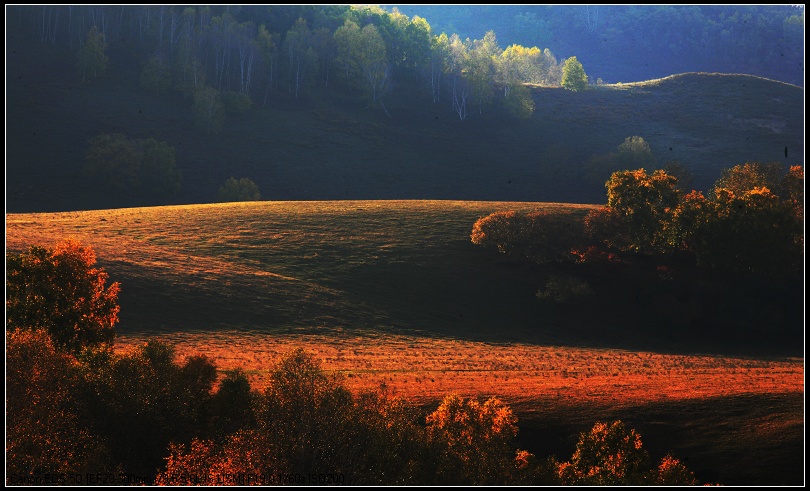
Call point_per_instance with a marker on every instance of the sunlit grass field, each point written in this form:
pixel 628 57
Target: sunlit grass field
pixel 392 294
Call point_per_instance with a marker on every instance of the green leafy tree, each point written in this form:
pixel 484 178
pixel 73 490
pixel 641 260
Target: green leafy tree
pixel 93 55
pixel 480 70
pixel 208 110
pixel 156 76
pixel 235 102
pixel 60 290
pixel 519 102
pixel 456 65
pixel 417 42
pixel 565 290
pixel 347 44
pixel 372 59
pixel 268 45
pixel 158 172
pixel 633 153
pixel 516 65
pixel 122 165
pixel 300 55
pixel 238 190
pixel 573 75
pixel 114 160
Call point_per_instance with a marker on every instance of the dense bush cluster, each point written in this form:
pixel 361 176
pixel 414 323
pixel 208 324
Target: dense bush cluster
pixel 751 223
pixel 612 455
pixel 122 165
pixel 538 236
pixel 238 190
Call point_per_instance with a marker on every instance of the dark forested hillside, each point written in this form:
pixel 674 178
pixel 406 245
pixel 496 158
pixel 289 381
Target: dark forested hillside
pixel 621 43
pixel 125 106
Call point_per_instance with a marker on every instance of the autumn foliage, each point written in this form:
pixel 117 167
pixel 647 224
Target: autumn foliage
pixel 148 414
pixel 46 425
pixel 541 237
pixel 60 290
pixel 610 454
pixel 73 405
pixel 750 224
pixel 474 439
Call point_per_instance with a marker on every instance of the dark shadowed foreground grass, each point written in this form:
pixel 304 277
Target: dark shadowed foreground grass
pixel 394 294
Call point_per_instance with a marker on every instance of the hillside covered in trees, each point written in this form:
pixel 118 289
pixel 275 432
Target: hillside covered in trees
pixel 624 43
pixel 149 105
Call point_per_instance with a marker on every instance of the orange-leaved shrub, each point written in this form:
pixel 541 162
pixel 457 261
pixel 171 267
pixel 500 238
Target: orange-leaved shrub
pixel 610 454
pixel 751 223
pixel 541 236
pixel 474 441
pixel 60 290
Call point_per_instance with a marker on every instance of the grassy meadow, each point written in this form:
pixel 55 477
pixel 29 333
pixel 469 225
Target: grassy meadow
pixel 392 294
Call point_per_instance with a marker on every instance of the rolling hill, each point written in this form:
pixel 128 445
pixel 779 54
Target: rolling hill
pixel 398 267
pixel 394 293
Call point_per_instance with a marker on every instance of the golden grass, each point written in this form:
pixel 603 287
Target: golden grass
pixel 256 232
pixel 375 289
pixel 530 378
pixel 299 259
pixel 261 263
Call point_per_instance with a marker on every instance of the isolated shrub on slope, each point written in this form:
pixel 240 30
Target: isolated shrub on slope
pixel 238 190
pixel 573 75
